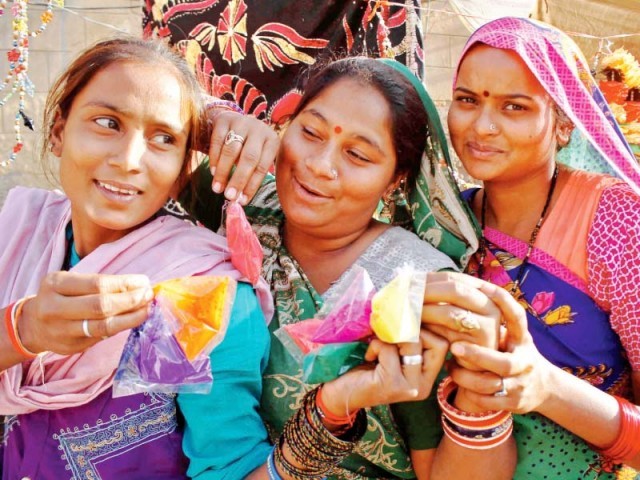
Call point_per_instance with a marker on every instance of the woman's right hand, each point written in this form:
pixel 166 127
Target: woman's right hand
pixel 385 379
pixel 53 319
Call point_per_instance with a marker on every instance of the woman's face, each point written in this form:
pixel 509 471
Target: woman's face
pixel 501 120
pixel 336 160
pixel 121 147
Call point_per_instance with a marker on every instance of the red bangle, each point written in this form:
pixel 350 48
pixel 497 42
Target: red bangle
pixel 627 445
pixel 330 417
pixel 11 316
pixel 478 431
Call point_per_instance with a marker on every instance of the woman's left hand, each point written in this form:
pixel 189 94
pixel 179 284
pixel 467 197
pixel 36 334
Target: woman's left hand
pixel 246 142
pixel 516 379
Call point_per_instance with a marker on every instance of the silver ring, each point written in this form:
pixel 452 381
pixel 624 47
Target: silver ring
pixel 503 392
pixel 493 127
pixel 85 328
pixel 233 137
pixel 411 359
pixel 464 321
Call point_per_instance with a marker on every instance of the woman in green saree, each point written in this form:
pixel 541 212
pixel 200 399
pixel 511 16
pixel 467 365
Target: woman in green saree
pixel 359 135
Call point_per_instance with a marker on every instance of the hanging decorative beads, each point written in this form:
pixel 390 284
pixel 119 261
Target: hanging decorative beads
pixel 17 79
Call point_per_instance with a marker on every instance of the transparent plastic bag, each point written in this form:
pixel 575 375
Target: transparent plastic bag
pixel 336 339
pixel 169 352
pixel 347 319
pixel 246 251
pixel 397 307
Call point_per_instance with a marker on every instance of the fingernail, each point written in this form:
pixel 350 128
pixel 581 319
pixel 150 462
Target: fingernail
pixel 148 294
pixel 217 187
pixel 243 199
pixel 457 349
pixel 230 193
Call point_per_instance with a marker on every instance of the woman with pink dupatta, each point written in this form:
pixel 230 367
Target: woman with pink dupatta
pixel 76 271
pixel 563 239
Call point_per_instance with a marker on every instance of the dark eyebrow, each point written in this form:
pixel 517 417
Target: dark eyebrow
pixel 510 96
pixel 127 113
pixel 362 138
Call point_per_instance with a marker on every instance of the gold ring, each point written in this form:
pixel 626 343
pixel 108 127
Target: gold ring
pixel 465 321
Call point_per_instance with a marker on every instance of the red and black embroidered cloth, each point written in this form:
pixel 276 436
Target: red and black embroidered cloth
pixel 252 51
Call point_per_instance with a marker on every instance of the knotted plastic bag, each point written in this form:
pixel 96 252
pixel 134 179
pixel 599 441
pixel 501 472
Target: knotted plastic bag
pixel 169 352
pixel 246 252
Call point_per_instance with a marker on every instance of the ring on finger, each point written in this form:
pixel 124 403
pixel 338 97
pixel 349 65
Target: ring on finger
pixel 503 392
pixel 411 359
pixel 85 328
pixel 464 321
pixel 233 137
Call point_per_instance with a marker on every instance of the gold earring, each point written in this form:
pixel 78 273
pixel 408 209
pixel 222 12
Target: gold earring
pixel 385 212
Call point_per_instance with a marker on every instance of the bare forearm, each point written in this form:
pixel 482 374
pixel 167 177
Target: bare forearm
pixel 584 410
pixel 453 461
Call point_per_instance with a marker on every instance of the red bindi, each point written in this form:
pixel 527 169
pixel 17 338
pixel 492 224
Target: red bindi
pixel 338 129
pixel 485 93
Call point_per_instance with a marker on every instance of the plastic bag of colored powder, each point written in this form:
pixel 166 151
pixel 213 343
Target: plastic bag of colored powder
pixel 397 307
pixel 246 252
pixel 169 352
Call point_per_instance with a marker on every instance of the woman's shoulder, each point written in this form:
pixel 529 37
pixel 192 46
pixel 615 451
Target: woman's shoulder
pixel 396 247
pixel 591 181
pixel 34 197
pixel 34 206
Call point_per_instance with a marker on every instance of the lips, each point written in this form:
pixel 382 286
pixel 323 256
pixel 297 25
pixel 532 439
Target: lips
pixel 482 150
pixel 309 189
pixel 118 188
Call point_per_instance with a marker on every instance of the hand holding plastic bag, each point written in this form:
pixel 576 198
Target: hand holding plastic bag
pixel 335 341
pixel 170 351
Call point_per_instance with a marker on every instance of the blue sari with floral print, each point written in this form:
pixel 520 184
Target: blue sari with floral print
pixel 569 329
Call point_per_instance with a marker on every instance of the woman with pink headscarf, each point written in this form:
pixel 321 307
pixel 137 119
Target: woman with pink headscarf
pixel 561 233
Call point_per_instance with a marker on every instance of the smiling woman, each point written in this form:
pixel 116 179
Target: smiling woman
pixel 564 242
pixel 358 136
pixel 121 148
pixel 77 270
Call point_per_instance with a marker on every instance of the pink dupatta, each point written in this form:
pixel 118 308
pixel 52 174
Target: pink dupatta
pixel 33 243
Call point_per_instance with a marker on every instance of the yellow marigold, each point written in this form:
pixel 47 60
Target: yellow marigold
pixel 626 64
pixel 46 17
pixel 619 113
pixel 626 473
